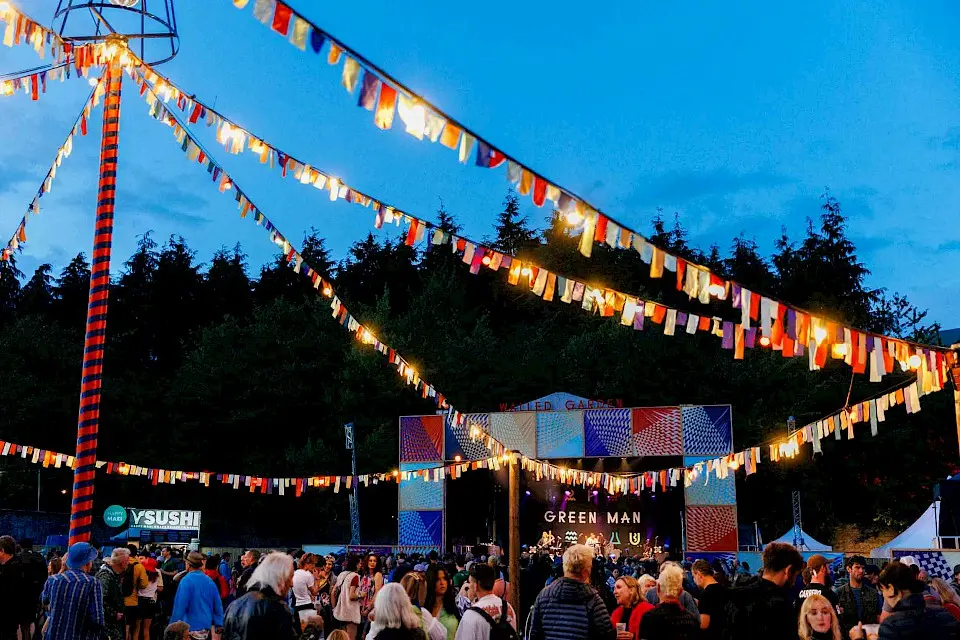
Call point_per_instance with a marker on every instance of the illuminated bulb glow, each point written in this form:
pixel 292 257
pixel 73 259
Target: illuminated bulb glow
pixel 819 334
pixel 129 4
pixel 456 458
pixel 327 291
pixel 840 350
pixel 715 290
pixel 486 261
pixel 574 218
pixel 526 271
pixel 914 361
pixel 4 7
pixel 764 341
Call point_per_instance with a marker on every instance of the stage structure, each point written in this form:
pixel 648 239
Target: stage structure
pixel 563 426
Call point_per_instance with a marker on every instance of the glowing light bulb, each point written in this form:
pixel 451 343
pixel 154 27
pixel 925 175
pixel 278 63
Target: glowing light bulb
pixel 486 261
pixel 526 271
pixel 914 361
pixel 126 4
pixel 227 185
pixel 715 290
pixel 733 464
pixel 839 350
pixel 457 458
pixel 819 334
pixel 4 7
pixel 93 82
pixel 764 341
pixel 574 218
pixel 327 291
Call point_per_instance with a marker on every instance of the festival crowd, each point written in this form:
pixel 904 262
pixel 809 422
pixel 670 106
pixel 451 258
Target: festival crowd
pixel 143 594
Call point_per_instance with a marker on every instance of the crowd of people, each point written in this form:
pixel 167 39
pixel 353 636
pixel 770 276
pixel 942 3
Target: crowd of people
pixel 142 594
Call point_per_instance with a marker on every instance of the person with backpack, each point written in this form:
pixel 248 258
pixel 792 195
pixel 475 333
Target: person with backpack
pixel 570 608
pixel 110 576
pixel 346 596
pixel 489 617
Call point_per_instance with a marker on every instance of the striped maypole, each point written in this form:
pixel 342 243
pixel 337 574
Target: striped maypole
pixel 81 511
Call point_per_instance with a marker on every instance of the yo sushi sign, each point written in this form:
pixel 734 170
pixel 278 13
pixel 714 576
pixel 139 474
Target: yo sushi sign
pixel 165 519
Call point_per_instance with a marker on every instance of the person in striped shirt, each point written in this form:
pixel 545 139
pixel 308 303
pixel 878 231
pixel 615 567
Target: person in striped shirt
pixel 75 598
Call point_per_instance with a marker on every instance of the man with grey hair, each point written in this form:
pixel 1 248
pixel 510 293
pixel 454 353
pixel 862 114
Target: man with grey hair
pixel 570 609
pixel 111 581
pixel 668 620
pixel 686 600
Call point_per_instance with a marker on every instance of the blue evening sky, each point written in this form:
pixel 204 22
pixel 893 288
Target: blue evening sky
pixel 736 115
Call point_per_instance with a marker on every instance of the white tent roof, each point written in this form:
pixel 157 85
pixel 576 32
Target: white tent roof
pixel 921 534
pixel 811 543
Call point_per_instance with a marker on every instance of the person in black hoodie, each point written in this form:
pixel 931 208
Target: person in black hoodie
pixel 911 618
pixel 763 607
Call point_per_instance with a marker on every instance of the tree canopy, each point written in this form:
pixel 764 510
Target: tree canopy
pixel 208 367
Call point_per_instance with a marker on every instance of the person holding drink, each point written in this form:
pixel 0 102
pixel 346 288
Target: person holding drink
pixel 626 617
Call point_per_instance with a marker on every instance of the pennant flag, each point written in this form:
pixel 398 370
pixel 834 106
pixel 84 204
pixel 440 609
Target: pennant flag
pixel 385 107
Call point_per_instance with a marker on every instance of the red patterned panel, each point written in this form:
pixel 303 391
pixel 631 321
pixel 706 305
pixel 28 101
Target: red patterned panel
pixel 711 528
pixel 658 431
pixel 421 438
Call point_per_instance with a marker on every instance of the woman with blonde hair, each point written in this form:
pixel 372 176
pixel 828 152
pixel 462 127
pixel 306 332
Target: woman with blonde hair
pixel 394 616
pixel 626 590
pixel 949 597
pixel 818 619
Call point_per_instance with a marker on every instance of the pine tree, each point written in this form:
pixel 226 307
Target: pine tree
pixel 38 294
pixel 513 231
pixel 9 287
pixel 747 266
pixel 446 220
pixel 72 292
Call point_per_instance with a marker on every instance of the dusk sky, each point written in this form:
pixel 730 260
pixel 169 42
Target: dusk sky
pixel 735 115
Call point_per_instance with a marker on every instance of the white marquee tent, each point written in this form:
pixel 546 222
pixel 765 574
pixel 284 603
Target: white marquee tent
pixel 810 543
pixel 922 534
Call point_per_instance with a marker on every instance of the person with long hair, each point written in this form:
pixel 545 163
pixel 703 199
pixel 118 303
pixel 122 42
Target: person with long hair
pixel 441 600
pixel 147 597
pixel 626 591
pixel 948 597
pixel 911 618
pixel 305 588
pixel 415 587
pixel 818 619
pixel 394 617
pixel 371 581
pixel 346 596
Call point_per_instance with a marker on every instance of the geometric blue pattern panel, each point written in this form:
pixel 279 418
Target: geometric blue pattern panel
pixel 421 528
pixel 707 430
pixel 417 494
pixel 458 441
pixel 707 491
pixel 608 432
pixel 517 431
pixel 560 434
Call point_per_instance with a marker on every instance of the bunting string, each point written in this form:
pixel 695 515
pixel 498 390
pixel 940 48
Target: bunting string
pixel 794 335
pixel 19 29
pixel 33 82
pixel 386 97
pixel 871 410
pixel 63 152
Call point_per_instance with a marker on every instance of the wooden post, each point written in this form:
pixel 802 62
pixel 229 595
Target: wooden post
pixel 514 543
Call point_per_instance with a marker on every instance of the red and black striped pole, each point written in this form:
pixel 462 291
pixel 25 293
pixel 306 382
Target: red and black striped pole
pixel 81 511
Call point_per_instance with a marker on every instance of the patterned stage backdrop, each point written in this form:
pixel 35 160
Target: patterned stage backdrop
pixel 694 432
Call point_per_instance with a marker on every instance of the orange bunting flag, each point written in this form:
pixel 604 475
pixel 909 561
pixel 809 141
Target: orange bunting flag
pixel 385 107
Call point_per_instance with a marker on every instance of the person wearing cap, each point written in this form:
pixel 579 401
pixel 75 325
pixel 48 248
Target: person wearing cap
pixel 956 579
pixel 147 597
pixel 74 598
pixel 819 568
pixel 198 601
